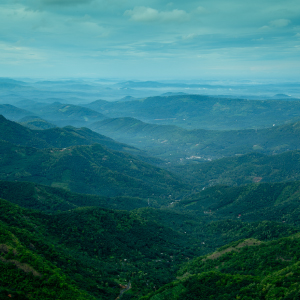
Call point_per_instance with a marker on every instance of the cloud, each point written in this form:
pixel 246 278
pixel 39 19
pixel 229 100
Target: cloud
pixel 258 40
pixel 280 23
pixel 148 14
pixel 201 10
pixel 65 2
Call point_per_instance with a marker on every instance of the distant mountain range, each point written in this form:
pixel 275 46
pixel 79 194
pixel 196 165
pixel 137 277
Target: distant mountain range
pixel 169 210
pixel 176 144
pixel 196 111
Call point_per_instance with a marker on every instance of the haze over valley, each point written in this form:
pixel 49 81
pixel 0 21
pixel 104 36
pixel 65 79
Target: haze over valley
pixel 149 150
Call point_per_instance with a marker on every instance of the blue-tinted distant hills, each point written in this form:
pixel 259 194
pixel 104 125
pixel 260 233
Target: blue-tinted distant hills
pixel 14 113
pixel 176 144
pixel 203 112
pixel 68 114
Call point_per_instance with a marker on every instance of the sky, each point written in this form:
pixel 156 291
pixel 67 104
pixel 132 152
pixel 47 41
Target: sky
pixel 151 39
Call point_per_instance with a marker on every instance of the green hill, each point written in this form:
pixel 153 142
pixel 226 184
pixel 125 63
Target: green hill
pixel 84 253
pixel 17 134
pixel 59 138
pixel 243 169
pixel 256 202
pixel 35 123
pixel 89 169
pixel 49 199
pixel 247 269
pixel 68 114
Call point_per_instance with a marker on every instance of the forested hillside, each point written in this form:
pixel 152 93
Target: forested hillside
pixel 57 137
pixel 246 269
pixel 256 202
pixel 242 169
pixel 85 253
pixel 50 200
pixel 89 169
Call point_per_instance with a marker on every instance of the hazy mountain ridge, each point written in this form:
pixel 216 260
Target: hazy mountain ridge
pixel 58 137
pixel 197 111
pixel 35 123
pixel 173 143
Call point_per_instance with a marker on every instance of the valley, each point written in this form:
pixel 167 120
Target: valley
pixel 150 196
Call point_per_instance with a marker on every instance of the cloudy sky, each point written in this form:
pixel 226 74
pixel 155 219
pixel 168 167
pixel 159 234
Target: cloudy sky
pixel 150 39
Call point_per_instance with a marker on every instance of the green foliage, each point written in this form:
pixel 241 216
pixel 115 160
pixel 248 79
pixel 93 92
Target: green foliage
pixel 89 169
pixel 50 200
pixel 57 137
pixel 248 269
pixel 27 275
pixel 95 249
pixel 256 202
pixel 249 168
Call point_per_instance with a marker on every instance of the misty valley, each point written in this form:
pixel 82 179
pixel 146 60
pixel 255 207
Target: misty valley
pixel 151 190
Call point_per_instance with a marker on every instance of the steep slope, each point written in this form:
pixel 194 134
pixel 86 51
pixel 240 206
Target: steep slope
pixel 89 169
pixel 58 137
pixel 247 269
pixel 17 134
pixel 13 113
pixel 84 253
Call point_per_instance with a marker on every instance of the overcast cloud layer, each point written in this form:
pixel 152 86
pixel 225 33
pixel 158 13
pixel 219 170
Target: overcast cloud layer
pixel 149 39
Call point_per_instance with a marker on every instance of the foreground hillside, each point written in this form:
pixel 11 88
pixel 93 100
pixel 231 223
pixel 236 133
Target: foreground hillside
pixel 85 253
pixel 247 269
